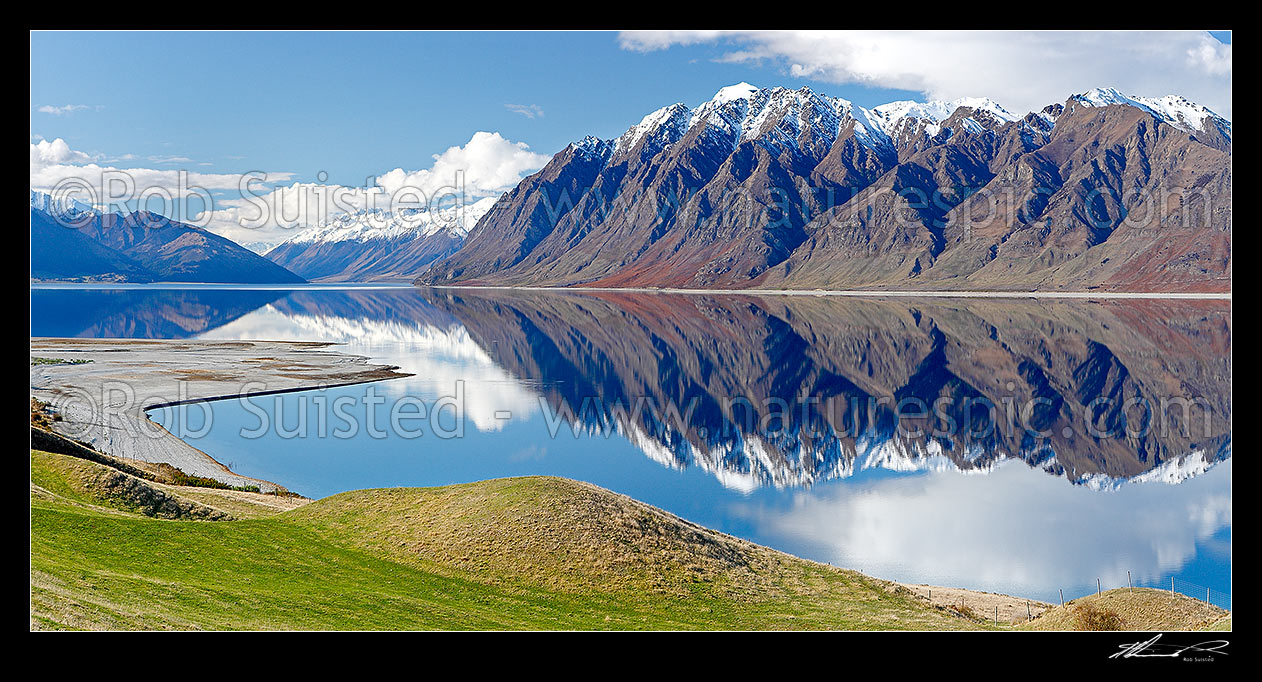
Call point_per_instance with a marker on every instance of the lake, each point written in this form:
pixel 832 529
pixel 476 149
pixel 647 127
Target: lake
pixel 1009 445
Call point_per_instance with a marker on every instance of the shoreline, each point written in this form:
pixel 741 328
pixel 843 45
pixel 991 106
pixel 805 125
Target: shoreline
pixel 169 372
pixel 893 293
pixel 143 364
pixel 1083 295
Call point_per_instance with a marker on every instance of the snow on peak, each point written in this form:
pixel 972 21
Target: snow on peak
pixel 591 145
pixel 1049 114
pixel 1103 97
pixel 985 104
pixel 377 225
pixel 1170 472
pixel 891 117
pixel 671 122
pixel 732 93
pixel 1176 110
pixel 777 117
pixel 63 206
pixel 782 115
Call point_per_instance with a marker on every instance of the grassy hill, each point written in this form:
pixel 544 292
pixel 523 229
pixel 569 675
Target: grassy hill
pixel 1137 609
pixel 110 549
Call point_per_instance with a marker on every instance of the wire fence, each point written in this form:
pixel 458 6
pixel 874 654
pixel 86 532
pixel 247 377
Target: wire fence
pixel 1177 585
pixel 1001 608
pixel 1206 594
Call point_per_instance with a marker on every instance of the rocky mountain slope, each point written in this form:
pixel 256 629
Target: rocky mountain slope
pixel 77 243
pixel 793 189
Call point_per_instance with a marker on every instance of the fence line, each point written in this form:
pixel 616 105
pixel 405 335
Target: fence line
pixel 1173 585
pixel 1201 593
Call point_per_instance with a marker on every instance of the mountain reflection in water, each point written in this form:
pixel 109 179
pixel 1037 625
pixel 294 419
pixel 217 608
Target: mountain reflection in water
pixel 841 429
pixel 778 390
pixel 787 390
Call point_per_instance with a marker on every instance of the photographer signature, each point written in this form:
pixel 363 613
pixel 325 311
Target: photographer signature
pixel 1151 649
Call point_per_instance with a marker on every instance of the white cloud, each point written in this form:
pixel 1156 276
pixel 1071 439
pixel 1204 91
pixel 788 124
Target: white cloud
pixel 55 163
pixel 1018 529
pixel 487 165
pixel 270 215
pixel 1211 56
pixel 50 153
pixel 66 172
pixel 491 164
pixel 439 358
pixel 531 111
pixel 1020 70
pixel 67 109
pixel 169 159
pixel 647 41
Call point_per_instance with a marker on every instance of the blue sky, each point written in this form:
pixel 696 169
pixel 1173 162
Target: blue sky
pixel 339 109
pixel 356 105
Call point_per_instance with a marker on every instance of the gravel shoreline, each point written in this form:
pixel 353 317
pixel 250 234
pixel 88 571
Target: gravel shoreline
pixel 103 400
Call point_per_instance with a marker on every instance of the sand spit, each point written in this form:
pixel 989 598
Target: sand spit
pixel 103 402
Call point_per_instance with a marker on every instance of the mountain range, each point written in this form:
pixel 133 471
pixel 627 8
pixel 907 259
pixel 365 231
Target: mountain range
pixel 778 188
pixel 72 241
pixel 771 188
pixel 376 245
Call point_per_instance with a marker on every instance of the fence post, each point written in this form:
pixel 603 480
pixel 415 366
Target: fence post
pixel 1171 586
pixel 1062 596
pixel 1129 584
pixel 1207 595
pixel 1097 587
pixel 996 615
pixel 1028 615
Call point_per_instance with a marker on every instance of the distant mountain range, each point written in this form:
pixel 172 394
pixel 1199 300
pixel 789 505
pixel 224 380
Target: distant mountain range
pixel 73 242
pixel 782 188
pixel 368 246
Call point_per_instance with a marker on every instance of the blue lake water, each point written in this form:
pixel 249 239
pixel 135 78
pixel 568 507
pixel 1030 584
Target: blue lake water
pixel 1007 445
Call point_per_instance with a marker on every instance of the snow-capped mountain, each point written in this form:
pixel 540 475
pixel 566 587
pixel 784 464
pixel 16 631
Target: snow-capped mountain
pixel 778 115
pixel 377 245
pixel 776 118
pixel 259 247
pixel 376 224
pixel 779 118
pixel 890 117
pixel 1174 110
pixel 59 206
pixel 914 125
pixel 780 188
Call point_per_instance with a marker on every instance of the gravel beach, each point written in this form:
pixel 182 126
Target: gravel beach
pixel 102 388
